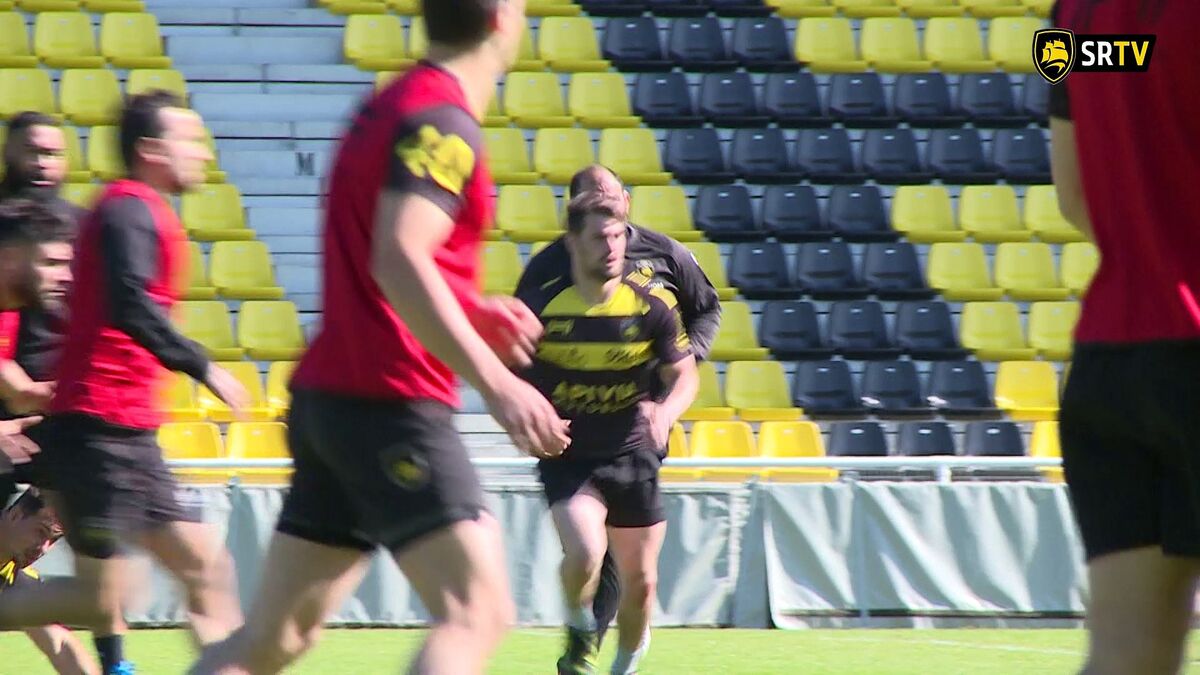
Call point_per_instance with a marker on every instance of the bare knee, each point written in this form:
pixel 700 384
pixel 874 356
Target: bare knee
pixel 639 585
pixel 584 560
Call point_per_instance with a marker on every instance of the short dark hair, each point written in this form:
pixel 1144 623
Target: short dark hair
pixel 30 504
pixel 459 23
pixel 592 204
pixel 31 118
pixel 27 221
pixel 141 118
pixel 587 178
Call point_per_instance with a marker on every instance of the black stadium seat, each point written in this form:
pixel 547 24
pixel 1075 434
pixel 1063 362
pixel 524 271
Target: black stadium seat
pixel 960 389
pixel 857 101
pixel 694 156
pixel 892 271
pixel 956 157
pixel 825 389
pixel 728 100
pixel 926 331
pixel 759 270
pixel 632 44
pixel 826 271
pixel 678 7
pixel 761 45
pixel 792 100
pixel 610 8
pixel 761 156
pixel 698 44
pixel 857 439
pixel 987 98
pixel 923 100
pixel 791 213
pixel 892 389
pixel 735 8
pixel 1035 98
pixel 665 100
pixel 925 439
pixel 826 156
pixel 856 214
pixel 858 331
pixel 725 213
pixel 890 156
pixel 1021 155
pixel 789 328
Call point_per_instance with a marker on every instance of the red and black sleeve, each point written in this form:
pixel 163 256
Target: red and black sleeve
pixel 434 154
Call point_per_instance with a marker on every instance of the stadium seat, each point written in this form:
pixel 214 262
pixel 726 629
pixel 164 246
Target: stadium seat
pixel 930 8
pixel 760 270
pixel 890 45
pixel 1052 329
pixel 194 440
pixel 375 42
pixel 103 154
pixel 792 100
pixel 199 287
pixel 789 328
pixel 501 267
pixel 678 8
pixel 724 439
pixel 1009 40
pixel 14 42
pixel 857 439
pixel 960 389
pixel 857 101
pixel 988 9
pixel 405 7
pixel 559 153
pixel 77 170
pixel 791 213
pixel 600 100
pixel 825 156
pixel 987 98
pixel 760 156
pixel 279 395
pixel 698 44
pixel 1021 155
pixel 527 56
pixel 890 157
pixel 243 270
pixel 270 330
pixel 826 271
pixel 568 44
pixel 1035 98
pixel 418 40
pixel 993 439
pixel 508 156
pixel 798 9
pixel 892 271
pixel 856 214
pixel 708 256
pixel 47 5
pixel 825 389
pixel 633 155
pixel 178 397
pixel 760 44
pixel 793 439
pixel 993 331
pixel 925 331
pixel 551 8
pixel 728 100
pixel 663 208
pixel 24 89
pixel 710 400
pixel 354 6
pixel 694 156
pixel 131 40
pixel 1039 7
pixel 858 331
pixel 924 439
pixel 1044 444
pixel 89 96
pixel 955 46
pixel 1078 265
pixel 1045 220
pixel 528 213
pixel 677 447
pixel 923 101
pixel 494 117
pixel 613 8
pixel 210 212
pixel 256 409
pixel 632 44
pixel 956 157
pixel 81 194
pixel 892 389
pixel 868 8
pixel 212 171
pixel 535 100
pixel 259 440
pixel 759 391
pixel 826 45
pixel 1026 272
pixel 736 339
pixel 923 214
pixel 133 6
pixel 145 79
pixel 739 8
pixel 208 322
pixel 664 100
pixel 1027 390
pixel 989 214
pixel 960 272
pixel 725 212
pixel 65 40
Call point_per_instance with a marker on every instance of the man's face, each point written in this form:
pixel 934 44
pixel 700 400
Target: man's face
pixel 29 536
pixel 598 251
pixel 182 151
pixel 38 156
pixel 53 269
pixel 19 282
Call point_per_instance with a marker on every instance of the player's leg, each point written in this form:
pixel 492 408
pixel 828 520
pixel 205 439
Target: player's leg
pixel 88 599
pixel 608 596
pixel 194 554
pixel 579 521
pixel 65 652
pixel 636 551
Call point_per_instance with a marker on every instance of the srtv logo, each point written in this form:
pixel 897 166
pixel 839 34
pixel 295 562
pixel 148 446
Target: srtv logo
pixel 1058 52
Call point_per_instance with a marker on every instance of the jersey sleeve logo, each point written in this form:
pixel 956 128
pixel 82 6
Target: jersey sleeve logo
pixel 447 160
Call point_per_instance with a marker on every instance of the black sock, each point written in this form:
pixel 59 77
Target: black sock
pixel 110 648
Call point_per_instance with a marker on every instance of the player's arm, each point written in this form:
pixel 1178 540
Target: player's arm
pixel 65 652
pixel 677 371
pixel 699 304
pixel 20 392
pixel 1064 162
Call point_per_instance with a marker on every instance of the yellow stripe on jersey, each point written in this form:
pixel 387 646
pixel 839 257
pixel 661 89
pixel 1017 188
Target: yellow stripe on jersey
pixel 624 302
pixel 666 296
pixel 8 574
pixel 595 356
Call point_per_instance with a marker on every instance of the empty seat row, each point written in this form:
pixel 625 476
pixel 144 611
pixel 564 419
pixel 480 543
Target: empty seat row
pixel 914 8
pixel 986 213
pixel 724 8
pixel 86 96
pixel 559 153
pixel 184 400
pixel 65 40
pixel 74 5
pixel 244 440
pixel 1023 271
pixel 212 212
pixel 413 7
pixel 267 330
pixel 238 270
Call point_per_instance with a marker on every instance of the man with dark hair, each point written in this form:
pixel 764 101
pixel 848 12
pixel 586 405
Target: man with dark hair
pixel 616 362
pixel 100 449
pixel 652 260
pixel 378 462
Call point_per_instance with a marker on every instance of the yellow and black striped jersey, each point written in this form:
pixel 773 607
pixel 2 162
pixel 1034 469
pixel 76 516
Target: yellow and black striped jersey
pixel 596 362
pixel 11 576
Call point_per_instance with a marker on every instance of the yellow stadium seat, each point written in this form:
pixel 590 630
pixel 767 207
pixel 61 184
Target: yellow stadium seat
pixel 207 322
pixel 559 153
pixel 710 400
pixel 81 194
pixel 827 46
pixel 600 100
pixel 77 171
pixel 89 96
pixel 405 7
pixel 955 46
pixel 213 172
pixel 989 213
pixel 633 155
pixel 960 272
pixel 1026 272
pixel 1052 329
pixel 259 440
pixel 375 42
pixel 527 57
pixel 242 270
pixel 1027 390
pixel 1039 7
pixel 677 447
pixel 794 439
pixel 569 44
pixel 1009 40
pixel 384 77
pixel 354 6
pixel 798 9
pixel 132 40
pixel 24 89
pixel 104 153
pixel 279 394
pixel 135 6
pixel 270 330
pixel 759 391
pixel 194 440
pixel 993 331
pixel 1044 443
pixel 418 39
pixel 535 100
pixel 64 40
pixel 528 213
pixel 923 213
pixel 1044 219
pixel 48 5
pixel 891 46
pixel 14 42
pixel 179 399
pixel 508 156
pixel 988 9
pixel 256 409
pixel 724 439
pixel 1078 266
pixel 214 213
pixel 708 255
pixel 501 267
pixel 494 117
pixel 199 287
pixel 663 208
pixel 737 339
pixel 551 8
pixel 141 80
pixel 868 8
pixel 930 8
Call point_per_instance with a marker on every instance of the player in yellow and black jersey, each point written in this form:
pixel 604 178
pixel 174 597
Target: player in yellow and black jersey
pixel 607 348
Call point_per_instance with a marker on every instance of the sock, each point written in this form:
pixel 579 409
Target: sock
pixel 626 662
pixel 582 618
pixel 111 650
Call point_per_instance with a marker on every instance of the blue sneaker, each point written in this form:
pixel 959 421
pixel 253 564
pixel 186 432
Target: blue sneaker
pixel 123 668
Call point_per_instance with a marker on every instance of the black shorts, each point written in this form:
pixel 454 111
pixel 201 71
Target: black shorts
pixel 628 482
pixel 30 472
pixel 112 483
pixel 1130 433
pixel 375 473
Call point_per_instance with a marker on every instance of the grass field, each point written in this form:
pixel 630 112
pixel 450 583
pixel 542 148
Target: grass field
pixel 682 651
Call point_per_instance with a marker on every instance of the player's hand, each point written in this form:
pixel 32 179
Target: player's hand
pixel 530 420
pixel 15 446
pixel 226 387
pixel 33 398
pixel 509 327
pixel 660 424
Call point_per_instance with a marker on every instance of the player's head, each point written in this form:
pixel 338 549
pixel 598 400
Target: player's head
pixel 29 527
pixel 596 235
pixel 35 153
pixel 32 234
pixel 492 26
pixel 598 178
pixel 162 142
pixel 54 240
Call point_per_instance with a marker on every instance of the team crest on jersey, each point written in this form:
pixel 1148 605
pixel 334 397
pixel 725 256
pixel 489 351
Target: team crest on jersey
pixel 409 471
pixel 448 160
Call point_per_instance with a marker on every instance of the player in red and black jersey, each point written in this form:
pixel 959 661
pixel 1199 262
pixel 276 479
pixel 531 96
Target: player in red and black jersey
pixel 377 459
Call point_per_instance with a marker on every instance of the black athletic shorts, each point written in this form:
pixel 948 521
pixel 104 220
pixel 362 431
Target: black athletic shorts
pixel 375 473
pixel 628 482
pixel 112 483
pixel 1130 432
